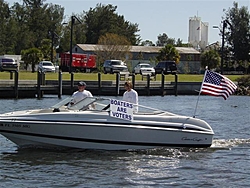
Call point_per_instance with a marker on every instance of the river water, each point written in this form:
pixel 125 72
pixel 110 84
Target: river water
pixel 225 164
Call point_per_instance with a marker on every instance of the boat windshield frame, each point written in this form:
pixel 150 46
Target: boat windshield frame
pixel 84 104
pixel 100 104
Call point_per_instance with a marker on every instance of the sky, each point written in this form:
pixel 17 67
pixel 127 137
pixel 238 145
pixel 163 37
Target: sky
pixel 156 17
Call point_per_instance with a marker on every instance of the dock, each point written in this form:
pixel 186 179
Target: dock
pixel 15 88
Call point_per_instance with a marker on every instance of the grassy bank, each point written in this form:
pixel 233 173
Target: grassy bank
pixel 23 75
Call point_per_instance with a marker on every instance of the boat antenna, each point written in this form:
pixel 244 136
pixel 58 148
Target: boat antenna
pixel 200 92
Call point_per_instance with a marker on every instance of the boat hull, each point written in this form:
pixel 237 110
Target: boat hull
pixel 100 135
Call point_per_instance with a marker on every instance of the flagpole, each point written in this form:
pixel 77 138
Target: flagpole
pixel 199 93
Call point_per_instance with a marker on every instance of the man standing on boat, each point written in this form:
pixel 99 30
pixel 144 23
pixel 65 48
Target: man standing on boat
pixel 130 95
pixel 81 93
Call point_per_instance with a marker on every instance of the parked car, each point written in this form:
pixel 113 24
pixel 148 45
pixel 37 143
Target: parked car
pixel 114 66
pixel 46 66
pixel 8 64
pixel 144 68
pixel 166 67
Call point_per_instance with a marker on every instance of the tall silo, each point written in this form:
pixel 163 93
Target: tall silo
pixel 204 35
pixel 198 33
pixel 194 31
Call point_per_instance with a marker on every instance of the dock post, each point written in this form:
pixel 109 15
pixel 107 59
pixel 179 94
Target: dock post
pixel 176 83
pixel 16 84
pixel 43 78
pixel 162 84
pixel 39 75
pixel 99 83
pixel 133 80
pixel 148 85
pixel 72 82
pixel 11 75
pixel 60 84
pixel 117 85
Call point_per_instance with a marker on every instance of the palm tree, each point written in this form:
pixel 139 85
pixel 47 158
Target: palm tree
pixel 210 59
pixel 31 56
pixel 169 52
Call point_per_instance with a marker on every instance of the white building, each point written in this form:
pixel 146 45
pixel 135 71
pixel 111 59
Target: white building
pixel 198 33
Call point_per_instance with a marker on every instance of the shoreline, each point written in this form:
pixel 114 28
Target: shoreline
pixel 30 89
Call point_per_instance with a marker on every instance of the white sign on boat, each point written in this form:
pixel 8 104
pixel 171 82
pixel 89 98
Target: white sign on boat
pixel 121 109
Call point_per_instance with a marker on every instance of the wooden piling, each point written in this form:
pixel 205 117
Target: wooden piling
pixel 59 84
pixel 11 75
pixel 16 84
pixel 133 80
pixel 162 84
pixel 176 83
pixel 43 78
pixel 117 85
pixel 99 83
pixel 39 75
pixel 72 82
pixel 148 85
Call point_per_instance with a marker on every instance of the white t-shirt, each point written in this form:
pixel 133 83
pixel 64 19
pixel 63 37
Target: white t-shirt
pixel 132 97
pixel 79 95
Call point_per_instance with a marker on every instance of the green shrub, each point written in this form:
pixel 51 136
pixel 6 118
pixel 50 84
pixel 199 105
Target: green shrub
pixel 244 81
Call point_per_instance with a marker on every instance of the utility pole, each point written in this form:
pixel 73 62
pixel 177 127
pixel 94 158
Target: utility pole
pixel 73 18
pixel 71 41
pixel 222 46
pixel 53 36
pixel 224 25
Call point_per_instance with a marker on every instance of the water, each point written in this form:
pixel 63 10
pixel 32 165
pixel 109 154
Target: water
pixel 225 164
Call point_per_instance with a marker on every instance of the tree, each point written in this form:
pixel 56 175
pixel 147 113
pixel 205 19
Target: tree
pixel 179 43
pixel 23 39
pixel 210 59
pixel 237 32
pixel 113 46
pixel 55 18
pixel 147 43
pixel 46 49
pixel 36 20
pixel 164 40
pixel 64 41
pixel 31 56
pixel 169 52
pixel 7 34
pixel 103 19
pixel 79 31
pixel 78 36
pixel 32 22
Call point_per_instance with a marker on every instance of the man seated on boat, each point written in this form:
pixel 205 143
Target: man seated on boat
pixel 130 95
pixel 81 94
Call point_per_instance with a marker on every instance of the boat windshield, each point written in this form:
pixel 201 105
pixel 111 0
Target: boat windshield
pixel 93 103
pixel 100 104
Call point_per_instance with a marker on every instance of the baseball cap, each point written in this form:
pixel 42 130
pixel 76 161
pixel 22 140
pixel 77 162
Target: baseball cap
pixel 82 83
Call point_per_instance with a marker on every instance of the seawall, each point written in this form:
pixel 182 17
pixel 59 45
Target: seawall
pixel 29 88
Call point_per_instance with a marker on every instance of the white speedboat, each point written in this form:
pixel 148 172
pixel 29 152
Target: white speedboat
pixel 106 124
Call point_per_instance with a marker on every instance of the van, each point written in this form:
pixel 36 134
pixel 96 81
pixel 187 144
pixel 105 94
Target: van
pixel 114 66
pixel 8 64
pixel 166 67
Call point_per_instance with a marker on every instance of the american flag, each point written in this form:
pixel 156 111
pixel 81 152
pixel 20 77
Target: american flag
pixel 217 85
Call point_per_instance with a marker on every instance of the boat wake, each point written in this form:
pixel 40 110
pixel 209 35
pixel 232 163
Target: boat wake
pixel 218 144
pixel 230 143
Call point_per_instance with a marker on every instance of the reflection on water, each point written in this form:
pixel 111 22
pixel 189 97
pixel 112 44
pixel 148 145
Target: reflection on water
pixel 88 168
pixel 43 154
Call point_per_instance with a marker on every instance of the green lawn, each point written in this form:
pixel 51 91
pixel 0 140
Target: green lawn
pixel 23 75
